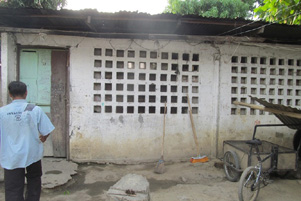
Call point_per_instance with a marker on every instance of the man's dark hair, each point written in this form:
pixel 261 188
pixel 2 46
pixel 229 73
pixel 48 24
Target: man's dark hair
pixel 17 88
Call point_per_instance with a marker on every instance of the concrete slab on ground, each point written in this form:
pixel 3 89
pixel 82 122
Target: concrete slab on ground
pixel 56 172
pixel 131 187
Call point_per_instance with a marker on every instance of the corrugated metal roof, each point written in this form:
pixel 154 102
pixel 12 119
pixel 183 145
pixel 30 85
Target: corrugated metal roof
pixel 91 23
pixel 291 122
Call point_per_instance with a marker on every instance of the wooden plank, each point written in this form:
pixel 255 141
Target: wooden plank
pixel 58 102
pixel 275 111
pixel 193 128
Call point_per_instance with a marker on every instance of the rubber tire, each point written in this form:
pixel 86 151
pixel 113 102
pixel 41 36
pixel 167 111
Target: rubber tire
pixel 296 142
pixel 231 174
pixel 244 176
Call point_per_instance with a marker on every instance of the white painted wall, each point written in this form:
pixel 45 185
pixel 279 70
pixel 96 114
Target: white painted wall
pixel 137 137
pixel 128 138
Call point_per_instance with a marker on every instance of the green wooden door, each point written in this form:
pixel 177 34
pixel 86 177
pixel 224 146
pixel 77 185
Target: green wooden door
pixel 35 71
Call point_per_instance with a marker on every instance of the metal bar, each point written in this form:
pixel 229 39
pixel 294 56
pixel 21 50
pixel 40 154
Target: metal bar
pixel 265 125
pixel 232 145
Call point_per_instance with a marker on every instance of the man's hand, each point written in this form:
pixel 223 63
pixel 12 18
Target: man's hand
pixel 43 138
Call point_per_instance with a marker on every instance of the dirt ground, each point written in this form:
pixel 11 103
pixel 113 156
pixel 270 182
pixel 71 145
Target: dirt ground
pixel 182 181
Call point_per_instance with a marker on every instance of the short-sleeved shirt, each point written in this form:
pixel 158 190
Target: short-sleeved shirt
pixel 20 145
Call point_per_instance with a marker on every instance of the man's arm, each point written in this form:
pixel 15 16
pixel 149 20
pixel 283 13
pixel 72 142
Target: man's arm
pixel 43 138
pixel 45 126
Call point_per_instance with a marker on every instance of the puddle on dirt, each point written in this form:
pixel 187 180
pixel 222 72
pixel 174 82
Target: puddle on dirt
pixel 155 185
pixel 77 184
pixel 98 188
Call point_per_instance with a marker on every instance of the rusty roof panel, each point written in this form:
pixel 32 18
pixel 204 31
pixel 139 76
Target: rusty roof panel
pixel 291 122
pixel 90 22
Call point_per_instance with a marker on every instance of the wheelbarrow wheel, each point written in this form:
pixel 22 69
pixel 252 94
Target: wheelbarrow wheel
pixel 231 166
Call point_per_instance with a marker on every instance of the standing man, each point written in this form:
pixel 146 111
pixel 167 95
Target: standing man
pixel 23 129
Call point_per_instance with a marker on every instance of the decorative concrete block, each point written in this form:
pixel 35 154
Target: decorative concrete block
pixel 131 187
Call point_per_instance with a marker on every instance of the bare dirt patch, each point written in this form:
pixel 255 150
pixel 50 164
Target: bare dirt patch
pixel 181 182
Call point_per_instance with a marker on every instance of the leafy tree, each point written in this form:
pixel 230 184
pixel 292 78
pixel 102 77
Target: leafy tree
pixel 46 4
pixel 213 8
pixel 280 11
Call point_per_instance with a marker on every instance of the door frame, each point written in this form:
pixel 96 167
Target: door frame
pixel 67 102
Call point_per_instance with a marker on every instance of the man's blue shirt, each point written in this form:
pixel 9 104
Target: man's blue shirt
pixel 20 145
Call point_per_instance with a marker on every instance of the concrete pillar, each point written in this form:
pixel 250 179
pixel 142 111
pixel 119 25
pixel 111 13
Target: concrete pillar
pixel 8 64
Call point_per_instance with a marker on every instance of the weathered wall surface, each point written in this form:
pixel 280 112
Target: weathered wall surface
pixel 118 88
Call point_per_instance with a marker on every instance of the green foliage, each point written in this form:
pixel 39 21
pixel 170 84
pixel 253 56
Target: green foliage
pixel 212 8
pixel 45 4
pixel 280 11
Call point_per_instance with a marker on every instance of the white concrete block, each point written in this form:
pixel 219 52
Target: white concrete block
pixel 131 187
